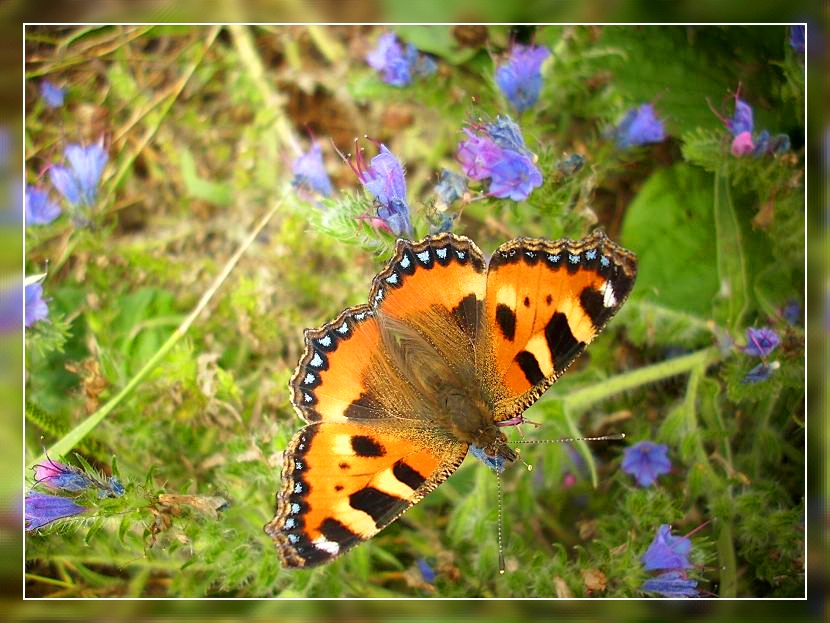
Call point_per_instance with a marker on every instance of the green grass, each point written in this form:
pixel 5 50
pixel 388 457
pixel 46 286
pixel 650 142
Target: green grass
pixel 177 304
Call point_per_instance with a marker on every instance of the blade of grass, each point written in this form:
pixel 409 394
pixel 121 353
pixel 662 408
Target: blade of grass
pixel 71 439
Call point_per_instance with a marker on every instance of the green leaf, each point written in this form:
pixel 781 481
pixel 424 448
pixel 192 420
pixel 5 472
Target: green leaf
pixel 732 295
pixel 670 226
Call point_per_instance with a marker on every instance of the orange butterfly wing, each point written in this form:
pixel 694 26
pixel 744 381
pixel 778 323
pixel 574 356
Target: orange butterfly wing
pixel 546 301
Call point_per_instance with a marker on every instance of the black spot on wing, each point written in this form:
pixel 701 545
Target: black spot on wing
pixel 374 503
pixel 335 531
pixel 366 446
pixel 407 475
pixel 562 344
pixel 530 367
pixel 506 320
pixel 592 302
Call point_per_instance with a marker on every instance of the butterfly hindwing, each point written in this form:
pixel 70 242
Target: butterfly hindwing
pixel 344 481
pixel 545 302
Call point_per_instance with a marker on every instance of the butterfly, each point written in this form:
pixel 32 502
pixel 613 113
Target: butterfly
pixel 448 350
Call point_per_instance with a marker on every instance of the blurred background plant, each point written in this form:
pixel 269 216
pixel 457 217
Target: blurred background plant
pixel 154 152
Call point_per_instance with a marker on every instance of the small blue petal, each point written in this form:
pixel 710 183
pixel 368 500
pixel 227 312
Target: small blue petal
pixel 667 551
pixel 672 584
pixel 42 509
pixel 40 210
pixel 640 126
pixel 36 308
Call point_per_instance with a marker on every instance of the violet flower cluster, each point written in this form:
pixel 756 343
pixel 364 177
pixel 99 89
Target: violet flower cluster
pixel 398 63
pixel 670 555
pixel 65 484
pixel 497 151
pixel 760 343
pixel 310 172
pixel 741 125
pixel 520 78
pixel 639 126
pixel 384 179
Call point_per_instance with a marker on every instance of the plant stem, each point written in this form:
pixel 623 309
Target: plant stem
pixel 584 398
pixel 72 438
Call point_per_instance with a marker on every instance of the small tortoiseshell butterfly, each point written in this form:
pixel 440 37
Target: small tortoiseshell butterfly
pixel 448 350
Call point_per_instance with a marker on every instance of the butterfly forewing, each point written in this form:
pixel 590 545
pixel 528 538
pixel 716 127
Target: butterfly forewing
pixel 545 302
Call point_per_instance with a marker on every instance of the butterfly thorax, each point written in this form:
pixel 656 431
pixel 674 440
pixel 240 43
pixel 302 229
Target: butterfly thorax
pixel 469 419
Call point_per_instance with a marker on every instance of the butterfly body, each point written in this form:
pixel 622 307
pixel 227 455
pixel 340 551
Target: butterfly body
pixel 448 351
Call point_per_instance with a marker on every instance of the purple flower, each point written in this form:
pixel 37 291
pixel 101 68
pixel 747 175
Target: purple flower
pixel 40 210
pixel 52 94
pixel 797 34
pixel 741 121
pixel 761 342
pixel 426 571
pixel 672 584
pixel 520 79
pixel 54 475
pixel 36 308
pixel 497 151
pixel 43 508
pixel 514 176
pixel 639 126
pixel 761 372
pixel 646 461
pixel 478 155
pixel 310 172
pixel 667 551
pixel 496 463
pixel 397 63
pixel 79 182
pixel 384 179
pixel 742 145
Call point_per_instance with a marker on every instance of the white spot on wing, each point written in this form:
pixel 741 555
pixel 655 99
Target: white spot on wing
pixel 316 361
pixel 323 544
pixel 609 299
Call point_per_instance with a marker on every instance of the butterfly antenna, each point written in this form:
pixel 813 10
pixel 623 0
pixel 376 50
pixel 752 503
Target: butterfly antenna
pixel 500 521
pixel 614 437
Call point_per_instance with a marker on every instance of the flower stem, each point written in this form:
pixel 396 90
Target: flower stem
pixel 582 399
pixel 73 437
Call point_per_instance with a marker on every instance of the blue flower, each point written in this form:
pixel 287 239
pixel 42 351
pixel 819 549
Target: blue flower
pixel 639 126
pixel 79 182
pixel 384 179
pixel 761 342
pixel 397 63
pixel 498 152
pixel 761 372
pixel 43 509
pixel 310 172
pixel 742 120
pixel 667 551
pixel 646 461
pixel 56 475
pixel 514 176
pixel 520 79
pixel 11 308
pixel 496 463
pixel 36 308
pixel 52 94
pixel 672 584
pixel 426 571
pixel 40 210
pixel 797 34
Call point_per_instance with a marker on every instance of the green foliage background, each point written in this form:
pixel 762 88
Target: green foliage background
pixel 202 124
